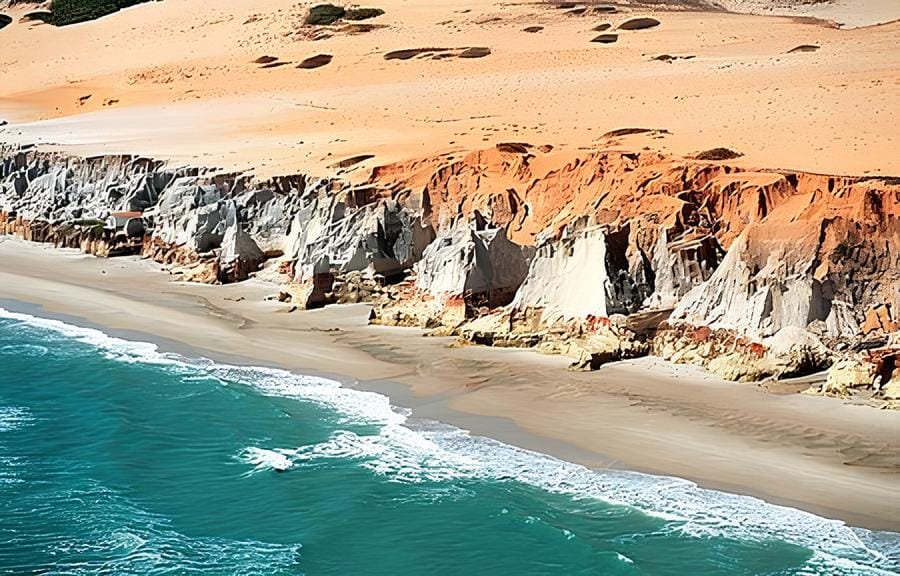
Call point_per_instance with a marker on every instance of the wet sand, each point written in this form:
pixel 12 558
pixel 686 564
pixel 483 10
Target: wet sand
pixel 818 454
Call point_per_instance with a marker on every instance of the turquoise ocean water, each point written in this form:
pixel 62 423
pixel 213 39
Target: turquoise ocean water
pixel 118 459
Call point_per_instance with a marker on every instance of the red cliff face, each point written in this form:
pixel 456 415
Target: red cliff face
pixel 749 253
pixel 528 192
pixel 763 264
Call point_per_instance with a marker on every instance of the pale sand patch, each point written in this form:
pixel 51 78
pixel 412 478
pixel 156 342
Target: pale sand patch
pixel 845 13
pixel 817 454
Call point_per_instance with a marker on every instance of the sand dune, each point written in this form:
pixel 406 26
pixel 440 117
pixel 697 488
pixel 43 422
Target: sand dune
pixel 113 86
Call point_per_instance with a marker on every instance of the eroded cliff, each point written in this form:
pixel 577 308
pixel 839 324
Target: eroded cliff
pixel 599 255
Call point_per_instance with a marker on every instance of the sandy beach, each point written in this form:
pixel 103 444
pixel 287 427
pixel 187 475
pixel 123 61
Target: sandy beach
pixel 817 454
pixel 450 287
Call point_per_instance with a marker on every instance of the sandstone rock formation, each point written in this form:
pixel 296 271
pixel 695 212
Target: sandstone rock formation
pixel 467 267
pixel 748 273
pixel 845 375
pixel 567 302
pixel 875 370
pixel 568 278
pixel 240 255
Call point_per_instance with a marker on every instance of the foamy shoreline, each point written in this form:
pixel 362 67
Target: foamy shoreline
pixel 647 416
pixel 434 452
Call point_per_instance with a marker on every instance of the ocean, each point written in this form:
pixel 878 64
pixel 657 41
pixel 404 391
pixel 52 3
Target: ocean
pixel 116 458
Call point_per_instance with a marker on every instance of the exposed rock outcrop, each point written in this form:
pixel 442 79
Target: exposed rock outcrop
pixel 565 303
pixel 875 371
pixel 568 279
pixel 239 256
pixel 470 266
pixel 749 273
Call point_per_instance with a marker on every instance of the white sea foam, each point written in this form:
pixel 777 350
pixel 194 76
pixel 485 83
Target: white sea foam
pixel 263 459
pixel 31 350
pixel 436 453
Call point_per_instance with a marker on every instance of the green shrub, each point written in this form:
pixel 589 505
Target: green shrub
pixel 363 13
pixel 65 12
pixel 324 14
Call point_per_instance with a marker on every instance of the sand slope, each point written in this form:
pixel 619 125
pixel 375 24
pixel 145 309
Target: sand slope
pixel 177 79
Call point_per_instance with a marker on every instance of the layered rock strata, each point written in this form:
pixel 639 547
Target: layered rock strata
pixel 599 255
pixel 468 268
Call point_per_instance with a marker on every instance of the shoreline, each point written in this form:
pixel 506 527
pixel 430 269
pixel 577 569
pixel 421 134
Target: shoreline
pixel 816 454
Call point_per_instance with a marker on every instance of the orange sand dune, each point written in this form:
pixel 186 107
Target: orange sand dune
pixel 176 79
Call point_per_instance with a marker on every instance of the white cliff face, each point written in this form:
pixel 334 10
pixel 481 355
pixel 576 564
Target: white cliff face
pixel 466 260
pixel 66 189
pixel 267 215
pixel 568 279
pixel 197 216
pixel 190 215
pixel 680 266
pixel 238 245
pixel 760 303
pixel 379 238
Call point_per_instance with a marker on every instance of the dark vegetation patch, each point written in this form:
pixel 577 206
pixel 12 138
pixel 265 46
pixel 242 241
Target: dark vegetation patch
pixel 477 52
pixel 274 64
pixel 629 131
pixel 438 53
pixel 4 21
pixel 265 59
pixel 602 27
pixel 606 38
pixel 65 12
pixel 325 14
pixel 580 9
pixel 803 48
pixel 639 24
pixel 38 16
pixel 670 58
pixel 362 13
pixel 316 61
pixel 411 53
pixel 361 28
pixel 718 154
pixel 533 29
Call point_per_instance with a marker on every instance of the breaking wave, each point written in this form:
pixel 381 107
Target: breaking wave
pixel 403 449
